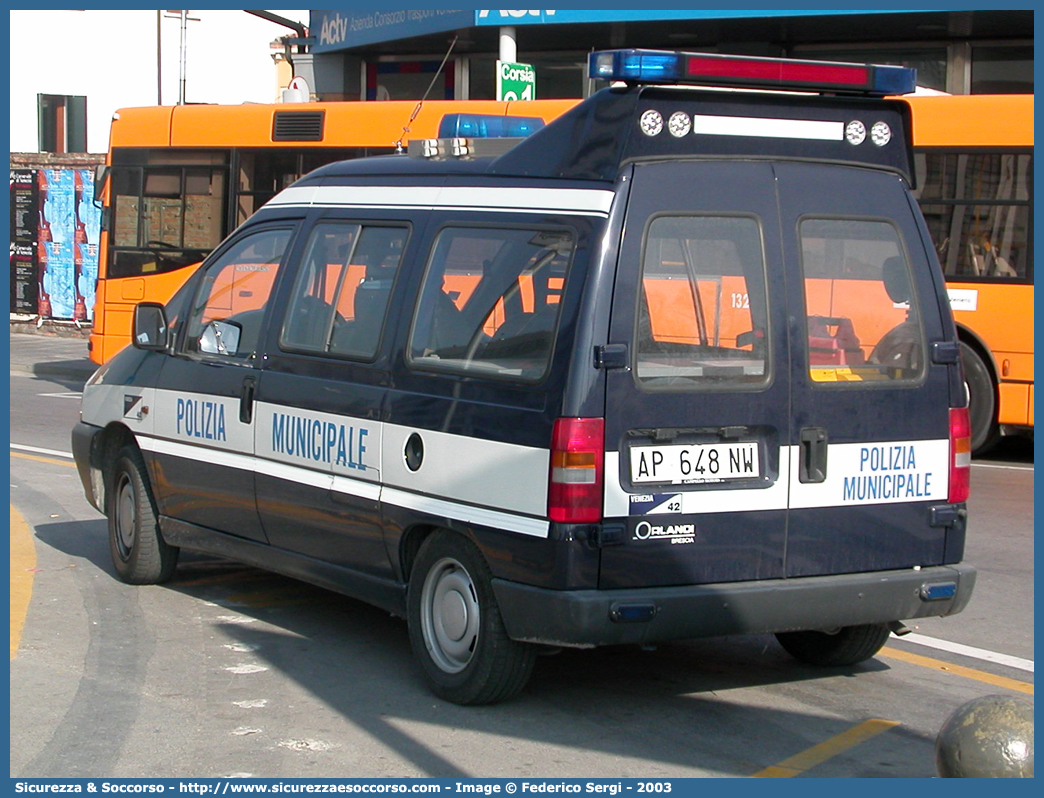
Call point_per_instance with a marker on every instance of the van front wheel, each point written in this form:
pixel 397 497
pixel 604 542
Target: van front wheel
pixel 456 631
pixel 847 646
pixel 139 552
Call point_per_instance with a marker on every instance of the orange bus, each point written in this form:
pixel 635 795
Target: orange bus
pixel 183 177
pixel 178 179
pixel 974 163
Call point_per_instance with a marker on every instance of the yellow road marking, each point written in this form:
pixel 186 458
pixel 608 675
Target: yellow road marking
pixel 957 670
pixel 39 459
pixel 817 754
pixel 23 561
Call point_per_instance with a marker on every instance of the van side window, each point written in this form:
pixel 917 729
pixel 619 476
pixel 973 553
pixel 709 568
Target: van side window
pixel 342 288
pixel 490 302
pixel 702 313
pixel 225 317
pixel 862 315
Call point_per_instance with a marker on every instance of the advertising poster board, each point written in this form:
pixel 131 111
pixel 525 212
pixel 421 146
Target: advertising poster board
pixel 24 206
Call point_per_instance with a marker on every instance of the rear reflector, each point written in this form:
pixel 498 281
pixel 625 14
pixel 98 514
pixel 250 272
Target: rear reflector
pixel 577 458
pixel 938 592
pixel 960 455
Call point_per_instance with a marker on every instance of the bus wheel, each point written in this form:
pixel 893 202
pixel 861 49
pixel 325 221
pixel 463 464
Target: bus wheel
pixel 982 401
pixel 847 646
pixel 455 627
pixel 139 552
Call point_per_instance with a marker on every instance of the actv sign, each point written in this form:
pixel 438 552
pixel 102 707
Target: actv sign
pixel 500 17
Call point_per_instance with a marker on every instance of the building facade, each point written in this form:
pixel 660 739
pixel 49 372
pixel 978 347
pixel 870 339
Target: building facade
pixel 398 54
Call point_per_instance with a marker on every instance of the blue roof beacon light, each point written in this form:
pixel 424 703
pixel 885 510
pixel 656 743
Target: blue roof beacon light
pixel 704 69
pixel 468 136
pixel 488 126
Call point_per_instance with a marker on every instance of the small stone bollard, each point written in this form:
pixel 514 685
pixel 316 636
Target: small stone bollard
pixel 988 737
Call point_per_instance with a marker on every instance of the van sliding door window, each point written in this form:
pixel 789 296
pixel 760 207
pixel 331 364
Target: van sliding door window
pixel 342 289
pixel 862 315
pixel 490 302
pixel 702 314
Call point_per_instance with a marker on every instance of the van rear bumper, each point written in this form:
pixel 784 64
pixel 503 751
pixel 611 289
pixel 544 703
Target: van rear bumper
pixel 585 618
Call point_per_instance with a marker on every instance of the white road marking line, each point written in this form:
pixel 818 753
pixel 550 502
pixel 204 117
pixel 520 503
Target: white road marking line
pixel 969 651
pixel 38 450
pixel 1004 467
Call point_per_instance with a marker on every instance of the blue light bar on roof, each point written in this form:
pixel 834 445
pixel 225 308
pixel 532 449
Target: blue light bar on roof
pixel 704 69
pixel 488 126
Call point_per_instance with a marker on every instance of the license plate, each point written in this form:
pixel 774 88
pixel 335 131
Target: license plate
pixel 689 464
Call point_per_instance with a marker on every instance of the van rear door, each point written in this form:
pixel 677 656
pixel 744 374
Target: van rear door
pixel 870 408
pixel 695 427
pixel 780 416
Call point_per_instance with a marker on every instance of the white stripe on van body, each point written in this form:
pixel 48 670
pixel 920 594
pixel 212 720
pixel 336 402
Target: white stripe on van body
pixel 579 201
pixel 200 454
pixel 484 516
pixel 337 444
pixel 509 477
pixel 885 472
pixel 479 481
pixel 476 481
pixel 106 403
pixel 457 511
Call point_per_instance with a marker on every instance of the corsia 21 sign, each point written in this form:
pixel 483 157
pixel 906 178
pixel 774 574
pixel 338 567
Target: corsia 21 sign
pixel 515 81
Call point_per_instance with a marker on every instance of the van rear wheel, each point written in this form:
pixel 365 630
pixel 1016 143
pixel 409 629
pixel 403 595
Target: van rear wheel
pixel 139 552
pixel 848 646
pixel 456 631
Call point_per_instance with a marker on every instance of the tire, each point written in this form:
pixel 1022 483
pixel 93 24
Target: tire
pixel 847 646
pixel 456 631
pixel 982 401
pixel 139 552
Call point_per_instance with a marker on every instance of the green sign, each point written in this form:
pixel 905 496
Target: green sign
pixel 515 81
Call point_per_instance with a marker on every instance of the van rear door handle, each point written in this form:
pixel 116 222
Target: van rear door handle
pixel 246 400
pixel 813 461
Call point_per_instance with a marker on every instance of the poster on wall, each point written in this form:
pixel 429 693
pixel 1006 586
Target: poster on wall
pixel 66 243
pixel 23 207
pixel 88 231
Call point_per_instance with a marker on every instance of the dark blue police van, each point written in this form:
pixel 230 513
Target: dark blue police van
pixel 678 364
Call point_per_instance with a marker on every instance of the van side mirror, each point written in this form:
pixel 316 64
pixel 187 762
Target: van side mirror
pixel 150 327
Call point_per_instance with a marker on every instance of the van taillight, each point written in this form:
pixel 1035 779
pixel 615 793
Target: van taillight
pixel 960 455
pixel 574 494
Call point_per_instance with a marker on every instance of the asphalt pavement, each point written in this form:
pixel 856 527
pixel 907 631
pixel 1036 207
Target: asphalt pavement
pixel 50 356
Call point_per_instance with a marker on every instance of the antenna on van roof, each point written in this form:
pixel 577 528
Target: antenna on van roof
pixel 406 129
